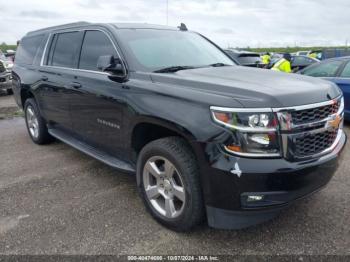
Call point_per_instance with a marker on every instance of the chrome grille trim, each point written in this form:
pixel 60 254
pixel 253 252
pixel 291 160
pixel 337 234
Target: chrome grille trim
pixel 303 107
pixel 289 131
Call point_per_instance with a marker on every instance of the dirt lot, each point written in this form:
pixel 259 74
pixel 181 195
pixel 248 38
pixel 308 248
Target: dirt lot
pixel 8 107
pixel 56 200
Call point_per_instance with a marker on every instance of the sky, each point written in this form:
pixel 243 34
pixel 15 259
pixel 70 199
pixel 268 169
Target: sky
pixel 229 23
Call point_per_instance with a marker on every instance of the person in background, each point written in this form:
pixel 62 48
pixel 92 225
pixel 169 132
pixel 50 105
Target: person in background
pixel 284 64
pixel 266 58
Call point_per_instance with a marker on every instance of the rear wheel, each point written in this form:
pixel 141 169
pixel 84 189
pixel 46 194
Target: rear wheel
pixel 9 91
pixel 170 185
pixel 36 125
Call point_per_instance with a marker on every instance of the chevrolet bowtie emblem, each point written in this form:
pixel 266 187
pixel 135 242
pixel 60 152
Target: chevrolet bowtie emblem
pixel 334 122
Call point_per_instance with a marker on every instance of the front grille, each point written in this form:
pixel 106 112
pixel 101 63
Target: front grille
pixel 314 143
pixel 314 114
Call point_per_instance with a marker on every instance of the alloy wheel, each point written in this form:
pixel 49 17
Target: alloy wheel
pixel 32 121
pixel 164 187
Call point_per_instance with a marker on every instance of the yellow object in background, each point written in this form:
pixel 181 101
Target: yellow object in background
pixel 283 65
pixel 266 59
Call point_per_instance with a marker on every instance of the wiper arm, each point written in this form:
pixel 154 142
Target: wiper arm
pixel 218 64
pixel 173 69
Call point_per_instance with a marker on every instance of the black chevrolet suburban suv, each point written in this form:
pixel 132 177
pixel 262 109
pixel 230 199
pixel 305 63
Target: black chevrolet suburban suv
pixel 207 139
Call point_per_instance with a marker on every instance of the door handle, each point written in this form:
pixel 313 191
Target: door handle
pixel 75 85
pixel 44 78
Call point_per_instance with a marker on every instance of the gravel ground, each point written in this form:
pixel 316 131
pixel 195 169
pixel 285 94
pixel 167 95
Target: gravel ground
pixel 8 107
pixel 56 200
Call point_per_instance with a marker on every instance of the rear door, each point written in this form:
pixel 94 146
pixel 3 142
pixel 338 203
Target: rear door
pixel 57 77
pixel 97 102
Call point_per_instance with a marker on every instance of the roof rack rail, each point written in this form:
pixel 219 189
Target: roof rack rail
pixel 69 25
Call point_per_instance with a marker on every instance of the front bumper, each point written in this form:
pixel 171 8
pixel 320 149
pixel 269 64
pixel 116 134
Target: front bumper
pixel 279 181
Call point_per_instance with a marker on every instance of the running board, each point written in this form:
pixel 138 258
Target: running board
pixel 91 151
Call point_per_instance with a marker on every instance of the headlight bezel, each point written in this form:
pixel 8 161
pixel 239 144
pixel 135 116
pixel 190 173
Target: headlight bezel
pixel 245 131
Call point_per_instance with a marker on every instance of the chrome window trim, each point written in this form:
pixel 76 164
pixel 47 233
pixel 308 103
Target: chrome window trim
pixel 45 48
pixel 78 69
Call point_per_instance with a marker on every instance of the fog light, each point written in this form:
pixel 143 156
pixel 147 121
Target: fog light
pixel 255 198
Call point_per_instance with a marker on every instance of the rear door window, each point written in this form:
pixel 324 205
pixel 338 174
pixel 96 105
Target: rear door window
pixel 95 44
pixel 328 69
pixel 64 50
pixel 27 49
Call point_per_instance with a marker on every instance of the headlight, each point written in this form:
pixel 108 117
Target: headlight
pixel 254 133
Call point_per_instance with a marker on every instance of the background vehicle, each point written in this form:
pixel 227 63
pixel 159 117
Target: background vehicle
pixel 300 62
pixel 335 52
pixel 10 54
pixel 5 74
pixel 303 53
pixel 245 58
pixel 274 58
pixel 205 137
pixel 297 63
pixel 336 70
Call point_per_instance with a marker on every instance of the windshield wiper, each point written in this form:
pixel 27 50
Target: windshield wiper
pixel 218 64
pixel 173 69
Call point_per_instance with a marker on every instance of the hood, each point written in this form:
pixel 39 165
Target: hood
pixel 253 87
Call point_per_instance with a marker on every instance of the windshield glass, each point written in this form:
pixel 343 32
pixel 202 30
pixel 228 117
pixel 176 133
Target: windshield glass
pixel 152 49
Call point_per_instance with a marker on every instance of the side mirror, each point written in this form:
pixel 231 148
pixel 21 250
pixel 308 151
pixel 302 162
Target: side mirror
pixel 107 63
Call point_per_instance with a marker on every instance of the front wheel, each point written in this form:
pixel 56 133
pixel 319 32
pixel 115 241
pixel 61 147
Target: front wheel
pixel 169 183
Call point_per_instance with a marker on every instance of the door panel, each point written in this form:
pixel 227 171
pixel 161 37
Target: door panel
pixel 56 75
pixel 97 111
pixel 53 95
pixel 96 102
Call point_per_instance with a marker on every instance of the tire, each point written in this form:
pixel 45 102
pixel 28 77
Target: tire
pixel 36 125
pixel 182 187
pixel 9 91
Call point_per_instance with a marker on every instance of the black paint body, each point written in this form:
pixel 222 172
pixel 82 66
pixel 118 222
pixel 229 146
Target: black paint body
pixel 180 102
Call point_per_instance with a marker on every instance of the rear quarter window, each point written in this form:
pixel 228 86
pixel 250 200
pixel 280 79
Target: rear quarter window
pixel 27 49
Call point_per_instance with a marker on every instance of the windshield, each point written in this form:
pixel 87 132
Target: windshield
pixel 152 49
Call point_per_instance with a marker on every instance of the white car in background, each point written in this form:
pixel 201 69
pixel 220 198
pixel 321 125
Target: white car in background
pixel 5 74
